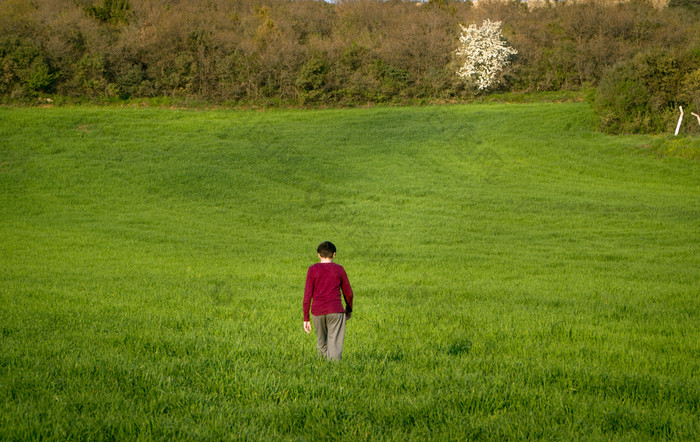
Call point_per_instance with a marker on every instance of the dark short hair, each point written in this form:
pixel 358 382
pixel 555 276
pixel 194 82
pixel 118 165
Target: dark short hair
pixel 326 249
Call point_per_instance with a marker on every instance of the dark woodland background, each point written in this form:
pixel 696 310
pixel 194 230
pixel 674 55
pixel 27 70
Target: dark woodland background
pixel 641 61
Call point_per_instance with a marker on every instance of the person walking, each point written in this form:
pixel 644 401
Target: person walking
pixel 326 286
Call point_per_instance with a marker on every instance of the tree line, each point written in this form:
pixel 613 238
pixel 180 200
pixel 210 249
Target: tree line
pixel 344 53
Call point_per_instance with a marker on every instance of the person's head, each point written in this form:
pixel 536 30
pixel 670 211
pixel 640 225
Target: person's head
pixel 326 250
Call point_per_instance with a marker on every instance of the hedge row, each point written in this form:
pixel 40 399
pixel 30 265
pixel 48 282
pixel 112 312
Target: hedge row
pixel 345 53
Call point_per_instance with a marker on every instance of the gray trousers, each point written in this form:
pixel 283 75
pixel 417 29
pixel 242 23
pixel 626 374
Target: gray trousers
pixel 330 334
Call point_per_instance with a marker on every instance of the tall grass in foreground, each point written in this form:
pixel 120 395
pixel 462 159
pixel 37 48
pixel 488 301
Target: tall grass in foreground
pixel 517 275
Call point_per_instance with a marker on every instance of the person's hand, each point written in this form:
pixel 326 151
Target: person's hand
pixel 348 316
pixel 307 326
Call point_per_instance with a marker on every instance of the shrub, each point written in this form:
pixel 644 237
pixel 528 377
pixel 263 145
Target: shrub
pixel 111 11
pixel 90 76
pixel 392 80
pixel 690 89
pixel 312 79
pixel 690 4
pixel 129 81
pixel 24 70
pixel 484 54
pixel 39 78
pixel 642 95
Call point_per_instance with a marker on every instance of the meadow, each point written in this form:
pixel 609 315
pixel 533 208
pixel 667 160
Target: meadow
pixel 517 275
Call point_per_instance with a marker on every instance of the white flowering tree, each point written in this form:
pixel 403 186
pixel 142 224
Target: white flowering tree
pixel 484 53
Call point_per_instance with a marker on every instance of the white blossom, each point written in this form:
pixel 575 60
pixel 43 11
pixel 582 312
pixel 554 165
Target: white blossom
pixel 484 52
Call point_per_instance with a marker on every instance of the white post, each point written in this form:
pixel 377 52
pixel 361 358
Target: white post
pixel 680 120
pixel 696 116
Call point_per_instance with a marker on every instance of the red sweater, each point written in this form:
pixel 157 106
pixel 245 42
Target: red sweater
pixel 324 283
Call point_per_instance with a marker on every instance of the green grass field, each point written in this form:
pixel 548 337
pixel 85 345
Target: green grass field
pixel 517 275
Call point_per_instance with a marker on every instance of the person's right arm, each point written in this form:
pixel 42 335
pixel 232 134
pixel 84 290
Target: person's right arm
pixel 308 294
